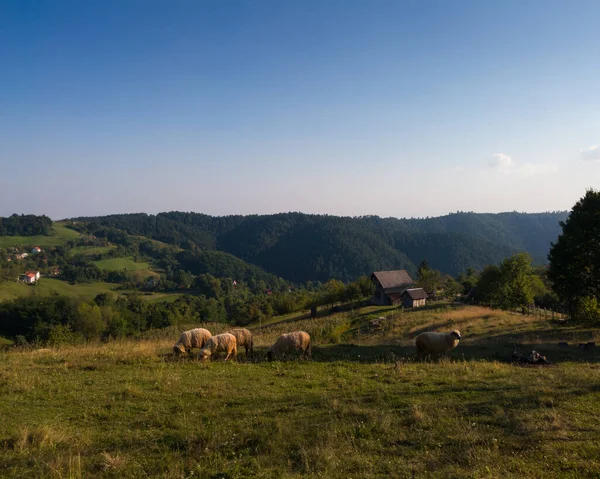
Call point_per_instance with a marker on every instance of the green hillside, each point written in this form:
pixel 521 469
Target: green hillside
pixel 49 286
pixel 60 235
pixel 301 247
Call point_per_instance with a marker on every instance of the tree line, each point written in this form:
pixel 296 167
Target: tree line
pixel 25 225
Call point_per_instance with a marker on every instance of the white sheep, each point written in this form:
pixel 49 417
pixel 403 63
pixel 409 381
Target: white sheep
pixel 286 343
pixel 194 338
pixel 243 338
pixel 436 343
pixel 221 342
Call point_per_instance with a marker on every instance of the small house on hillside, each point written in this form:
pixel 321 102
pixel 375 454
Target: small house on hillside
pixel 389 286
pixel 31 276
pixel 414 298
pixel 36 250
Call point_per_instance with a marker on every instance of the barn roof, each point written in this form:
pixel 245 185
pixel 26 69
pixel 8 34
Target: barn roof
pixel 393 279
pixel 416 293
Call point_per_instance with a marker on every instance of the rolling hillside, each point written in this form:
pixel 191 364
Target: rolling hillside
pixel 301 247
pixel 59 236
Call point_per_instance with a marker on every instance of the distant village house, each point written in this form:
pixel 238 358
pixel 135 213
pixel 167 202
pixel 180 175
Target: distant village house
pixel 389 286
pixel 36 250
pixel 31 276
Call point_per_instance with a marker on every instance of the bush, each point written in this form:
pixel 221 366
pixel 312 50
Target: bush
pixel 62 334
pixel 587 309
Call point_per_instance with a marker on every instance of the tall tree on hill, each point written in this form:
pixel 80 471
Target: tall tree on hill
pixel 430 280
pixel 517 282
pixel 575 258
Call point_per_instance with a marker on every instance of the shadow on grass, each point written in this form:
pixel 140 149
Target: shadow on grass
pixel 392 353
pixel 496 352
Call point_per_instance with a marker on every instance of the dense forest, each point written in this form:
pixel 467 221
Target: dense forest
pixel 301 247
pixel 25 225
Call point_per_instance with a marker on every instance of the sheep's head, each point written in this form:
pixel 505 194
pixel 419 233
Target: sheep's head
pixel 456 333
pixel 178 349
pixel 204 354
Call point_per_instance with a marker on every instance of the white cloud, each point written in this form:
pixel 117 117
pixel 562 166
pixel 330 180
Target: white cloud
pixel 502 162
pixel 591 154
pixel 505 164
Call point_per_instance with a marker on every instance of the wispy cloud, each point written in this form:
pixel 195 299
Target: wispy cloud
pixel 502 162
pixel 591 154
pixel 505 164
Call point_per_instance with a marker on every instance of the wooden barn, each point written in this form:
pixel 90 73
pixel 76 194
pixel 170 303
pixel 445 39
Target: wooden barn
pixel 389 286
pixel 414 298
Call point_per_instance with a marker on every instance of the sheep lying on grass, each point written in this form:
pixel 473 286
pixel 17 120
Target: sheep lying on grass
pixel 194 338
pixel 436 343
pixel 287 343
pixel 225 342
pixel 243 338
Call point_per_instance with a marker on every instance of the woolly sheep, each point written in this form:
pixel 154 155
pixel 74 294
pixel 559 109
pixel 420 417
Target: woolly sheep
pixel 437 343
pixel 194 338
pixel 221 342
pixel 243 338
pixel 286 343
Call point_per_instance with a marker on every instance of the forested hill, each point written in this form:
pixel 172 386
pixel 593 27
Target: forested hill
pixel 302 247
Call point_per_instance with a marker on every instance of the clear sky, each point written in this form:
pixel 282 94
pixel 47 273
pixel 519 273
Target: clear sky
pixel 393 108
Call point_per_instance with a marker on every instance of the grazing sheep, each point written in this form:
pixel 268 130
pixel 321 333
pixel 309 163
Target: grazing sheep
pixel 286 343
pixel 436 343
pixel 243 338
pixel 221 342
pixel 194 338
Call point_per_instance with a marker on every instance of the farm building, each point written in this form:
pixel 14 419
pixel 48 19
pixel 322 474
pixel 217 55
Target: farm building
pixel 36 250
pixel 31 276
pixel 414 297
pixel 389 286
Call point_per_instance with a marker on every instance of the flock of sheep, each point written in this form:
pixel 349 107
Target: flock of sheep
pixel 427 343
pixel 236 338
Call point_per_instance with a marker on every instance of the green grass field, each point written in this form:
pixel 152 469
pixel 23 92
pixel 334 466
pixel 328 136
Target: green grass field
pixel 61 234
pixel 363 407
pixel 48 286
pixel 141 270
pixel 91 250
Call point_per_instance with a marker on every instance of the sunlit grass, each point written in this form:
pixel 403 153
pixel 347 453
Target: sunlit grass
pixel 368 409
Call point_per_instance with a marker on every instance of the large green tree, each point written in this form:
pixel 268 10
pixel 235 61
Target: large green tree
pixel 575 257
pixel 518 283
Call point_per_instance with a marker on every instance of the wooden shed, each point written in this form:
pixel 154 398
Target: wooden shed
pixel 414 298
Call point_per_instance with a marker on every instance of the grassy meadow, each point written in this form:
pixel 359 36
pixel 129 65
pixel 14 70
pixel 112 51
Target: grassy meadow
pixel 49 286
pixel 363 407
pixel 91 250
pixel 60 235
pixel 140 269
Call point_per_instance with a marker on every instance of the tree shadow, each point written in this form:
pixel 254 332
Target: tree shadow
pixel 502 352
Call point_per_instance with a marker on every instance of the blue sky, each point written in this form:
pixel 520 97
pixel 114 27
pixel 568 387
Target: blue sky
pixel 391 108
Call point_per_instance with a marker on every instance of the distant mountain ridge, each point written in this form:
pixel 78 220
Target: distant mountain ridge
pixel 304 247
